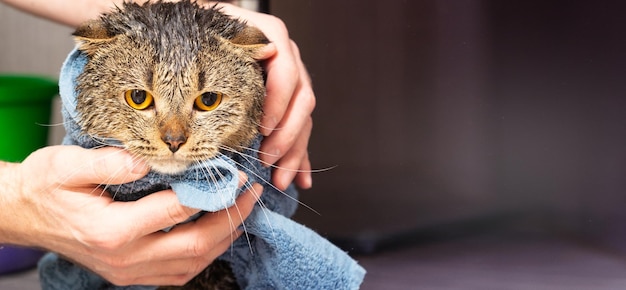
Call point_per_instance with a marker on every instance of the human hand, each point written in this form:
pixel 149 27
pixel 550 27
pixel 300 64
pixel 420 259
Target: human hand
pixel 63 209
pixel 289 102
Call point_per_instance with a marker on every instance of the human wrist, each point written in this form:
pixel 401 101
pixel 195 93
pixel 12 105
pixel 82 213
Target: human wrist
pixel 12 202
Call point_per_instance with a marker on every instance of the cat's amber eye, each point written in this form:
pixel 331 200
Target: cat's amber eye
pixel 208 101
pixel 138 99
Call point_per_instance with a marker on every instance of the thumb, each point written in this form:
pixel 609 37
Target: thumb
pixel 77 166
pixel 155 212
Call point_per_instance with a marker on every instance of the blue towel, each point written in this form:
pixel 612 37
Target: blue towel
pixel 278 252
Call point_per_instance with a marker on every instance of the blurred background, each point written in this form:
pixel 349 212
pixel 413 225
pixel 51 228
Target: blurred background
pixel 437 112
pixel 450 121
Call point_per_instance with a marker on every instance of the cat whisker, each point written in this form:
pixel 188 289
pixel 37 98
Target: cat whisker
pixel 114 194
pixel 51 124
pixel 225 148
pixel 263 207
pixel 260 202
pixel 250 149
pixel 243 225
pixel 257 195
pixel 209 174
pixel 115 174
pixel 210 178
pixel 102 144
pixel 269 183
pixel 106 141
pixel 103 187
pixel 267 128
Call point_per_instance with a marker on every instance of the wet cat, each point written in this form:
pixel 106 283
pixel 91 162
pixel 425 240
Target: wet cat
pixel 174 84
pixel 178 86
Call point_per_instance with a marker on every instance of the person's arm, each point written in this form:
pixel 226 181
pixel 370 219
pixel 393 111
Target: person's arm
pixel 68 12
pixel 52 200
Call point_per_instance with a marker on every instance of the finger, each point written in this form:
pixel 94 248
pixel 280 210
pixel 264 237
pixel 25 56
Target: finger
pixel 304 178
pixel 180 270
pixel 243 178
pixel 198 238
pixel 282 79
pixel 153 213
pixel 224 222
pixel 291 126
pixel 292 162
pixel 162 279
pixel 95 166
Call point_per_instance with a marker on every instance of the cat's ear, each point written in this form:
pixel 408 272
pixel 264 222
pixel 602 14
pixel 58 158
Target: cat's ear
pixel 252 40
pixel 90 34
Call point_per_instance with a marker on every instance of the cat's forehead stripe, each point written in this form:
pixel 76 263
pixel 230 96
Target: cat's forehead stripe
pixel 201 80
pixel 150 79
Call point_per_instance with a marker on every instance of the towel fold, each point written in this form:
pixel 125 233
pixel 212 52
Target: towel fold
pixel 276 253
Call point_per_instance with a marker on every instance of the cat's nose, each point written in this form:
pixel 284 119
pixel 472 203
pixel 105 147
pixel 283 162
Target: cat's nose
pixel 174 142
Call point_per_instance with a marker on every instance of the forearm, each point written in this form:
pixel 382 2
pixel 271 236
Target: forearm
pixel 68 12
pixel 11 203
pixel 75 12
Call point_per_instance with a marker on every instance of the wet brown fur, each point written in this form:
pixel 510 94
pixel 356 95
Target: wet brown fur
pixel 176 52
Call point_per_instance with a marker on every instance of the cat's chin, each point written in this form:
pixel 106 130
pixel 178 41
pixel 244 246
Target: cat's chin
pixel 169 166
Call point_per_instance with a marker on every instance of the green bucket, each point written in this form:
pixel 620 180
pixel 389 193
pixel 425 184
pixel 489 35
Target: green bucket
pixel 25 105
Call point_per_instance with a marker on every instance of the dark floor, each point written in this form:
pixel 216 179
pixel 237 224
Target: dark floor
pixel 497 261
pixel 503 260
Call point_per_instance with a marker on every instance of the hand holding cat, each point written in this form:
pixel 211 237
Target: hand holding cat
pixel 53 201
pixel 290 100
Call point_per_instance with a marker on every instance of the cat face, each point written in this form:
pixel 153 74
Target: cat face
pixel 173 82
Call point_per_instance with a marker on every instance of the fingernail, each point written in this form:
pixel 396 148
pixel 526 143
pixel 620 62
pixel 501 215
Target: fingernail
pixel 243 177
pixel 308 182
pixel 259 190
pixel 256 191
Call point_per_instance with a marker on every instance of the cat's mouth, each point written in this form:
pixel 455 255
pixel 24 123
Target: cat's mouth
pixel 171 165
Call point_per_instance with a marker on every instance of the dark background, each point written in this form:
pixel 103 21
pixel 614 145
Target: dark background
pixel 457 113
